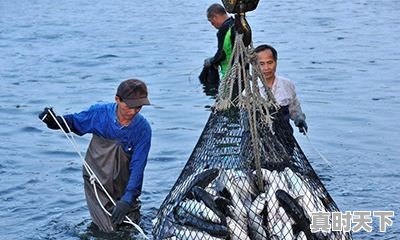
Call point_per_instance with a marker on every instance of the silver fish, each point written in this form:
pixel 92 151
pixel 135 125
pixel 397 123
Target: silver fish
pixel 301 236
pixel 256 229
pixel 185 233
pixel 199 210
pixel 236 232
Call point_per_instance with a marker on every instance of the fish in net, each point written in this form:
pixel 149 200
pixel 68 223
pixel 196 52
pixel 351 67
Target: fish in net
pixel 247 177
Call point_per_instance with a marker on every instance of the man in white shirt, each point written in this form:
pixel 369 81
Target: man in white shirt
pixel 282 88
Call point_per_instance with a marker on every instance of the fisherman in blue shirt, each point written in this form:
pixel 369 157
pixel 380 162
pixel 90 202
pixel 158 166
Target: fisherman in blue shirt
pixel 117 153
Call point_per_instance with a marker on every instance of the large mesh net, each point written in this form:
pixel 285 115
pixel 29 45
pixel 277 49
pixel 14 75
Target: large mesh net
pixel 247 177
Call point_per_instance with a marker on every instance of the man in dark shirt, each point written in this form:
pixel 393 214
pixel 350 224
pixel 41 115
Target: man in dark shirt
pixel 219 18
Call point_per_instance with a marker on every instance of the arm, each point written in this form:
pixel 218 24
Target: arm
pixel 136 169
pixel 87 121
pixel 55 122
pixel 296 114
pixel 137 166
pixel 295 108
pixel 220 55
pixel 79 123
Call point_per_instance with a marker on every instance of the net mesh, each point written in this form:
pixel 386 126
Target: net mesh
pixel 247 177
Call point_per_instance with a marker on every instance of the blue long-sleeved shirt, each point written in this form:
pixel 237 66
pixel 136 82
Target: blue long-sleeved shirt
pixel 101 119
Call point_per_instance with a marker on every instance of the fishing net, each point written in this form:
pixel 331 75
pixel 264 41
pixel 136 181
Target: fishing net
pixel 247 177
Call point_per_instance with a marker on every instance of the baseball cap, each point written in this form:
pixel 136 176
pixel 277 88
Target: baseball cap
pixel 133 92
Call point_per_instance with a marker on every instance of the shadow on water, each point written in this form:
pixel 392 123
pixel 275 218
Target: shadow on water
pixel 124 232
pixel 209 78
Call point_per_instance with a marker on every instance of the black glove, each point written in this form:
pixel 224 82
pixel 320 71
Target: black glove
pixel 300 122
pixel 50 118
pixel 119 211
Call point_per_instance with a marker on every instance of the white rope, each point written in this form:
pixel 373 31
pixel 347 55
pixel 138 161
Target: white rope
pixel 316 150
pixel 191 72
pixel 249 97
pixel 93 177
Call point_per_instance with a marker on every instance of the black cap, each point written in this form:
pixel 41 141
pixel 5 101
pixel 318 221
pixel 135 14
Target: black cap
pixel 133 92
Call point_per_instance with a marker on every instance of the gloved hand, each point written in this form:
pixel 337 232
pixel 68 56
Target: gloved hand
pixel 50 118
pixel 208 62
pixel 300 122
pixel 47 116
pixel 119 211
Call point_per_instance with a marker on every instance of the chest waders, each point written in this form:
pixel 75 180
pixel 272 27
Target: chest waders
pixel 110 163
pixel 227 47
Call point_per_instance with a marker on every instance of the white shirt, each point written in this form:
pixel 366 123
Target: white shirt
pixel 285 95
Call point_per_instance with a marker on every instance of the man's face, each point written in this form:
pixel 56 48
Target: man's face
pixel 215 21
pixel 267 64
pixel 124 111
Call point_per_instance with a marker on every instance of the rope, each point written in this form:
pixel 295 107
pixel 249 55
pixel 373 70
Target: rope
pixel 93 177
pixel 316 150
pixel 249 96
pixel 191 72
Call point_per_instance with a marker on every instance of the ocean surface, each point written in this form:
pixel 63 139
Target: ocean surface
pixel 343 56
